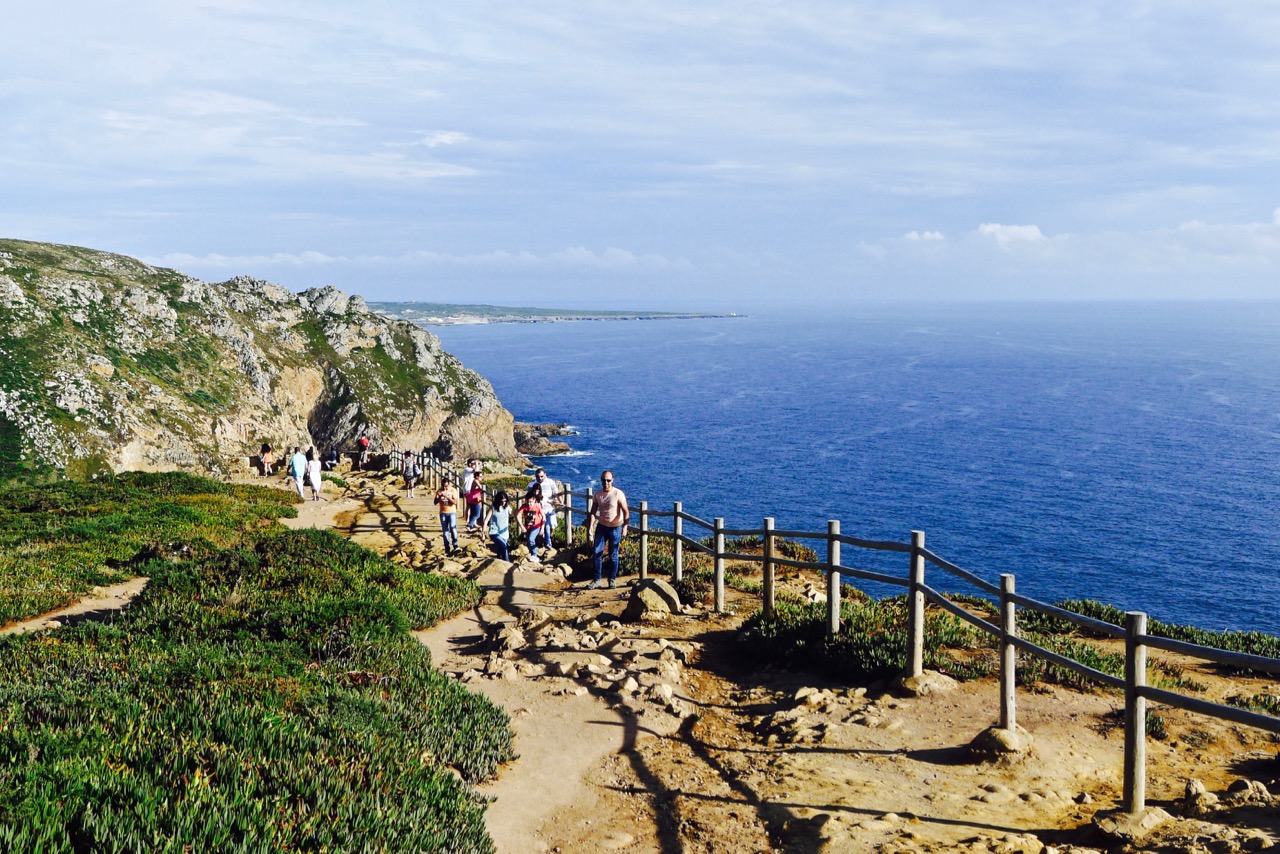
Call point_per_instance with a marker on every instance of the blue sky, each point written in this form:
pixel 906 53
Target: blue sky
pixel 660 155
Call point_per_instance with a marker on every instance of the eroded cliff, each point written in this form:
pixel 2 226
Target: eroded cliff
pixel 109 363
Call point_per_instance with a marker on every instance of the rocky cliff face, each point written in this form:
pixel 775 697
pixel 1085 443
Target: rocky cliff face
pixel 106 362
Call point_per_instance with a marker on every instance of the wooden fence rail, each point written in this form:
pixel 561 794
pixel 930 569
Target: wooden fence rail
pixel 1137 639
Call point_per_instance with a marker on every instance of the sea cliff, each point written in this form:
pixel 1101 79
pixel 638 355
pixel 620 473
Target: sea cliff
pixel 108 363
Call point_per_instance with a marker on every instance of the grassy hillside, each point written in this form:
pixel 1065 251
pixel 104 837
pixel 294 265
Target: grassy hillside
pixel 262 694
pixel 109 363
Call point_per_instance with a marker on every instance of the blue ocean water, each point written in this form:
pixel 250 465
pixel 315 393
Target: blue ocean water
pixel 1121 452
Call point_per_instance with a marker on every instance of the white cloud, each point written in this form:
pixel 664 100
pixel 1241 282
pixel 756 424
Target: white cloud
pixel 242 263
pixel 1006 235
pixel 575 257
pixel 447 137
pixel 927 235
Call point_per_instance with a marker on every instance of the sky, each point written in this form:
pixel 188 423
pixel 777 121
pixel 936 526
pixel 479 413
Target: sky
pixel 688 156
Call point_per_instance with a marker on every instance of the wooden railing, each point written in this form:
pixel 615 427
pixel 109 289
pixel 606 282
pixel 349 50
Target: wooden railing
pixel 1134 633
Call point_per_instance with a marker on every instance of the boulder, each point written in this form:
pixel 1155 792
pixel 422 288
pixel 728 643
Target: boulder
pixel 997 743
pixel 928 682
pixel 651 598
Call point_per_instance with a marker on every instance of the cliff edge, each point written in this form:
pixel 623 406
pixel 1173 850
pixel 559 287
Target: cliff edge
pixel 109 363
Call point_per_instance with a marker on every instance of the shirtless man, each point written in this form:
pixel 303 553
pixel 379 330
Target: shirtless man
pixel 610 515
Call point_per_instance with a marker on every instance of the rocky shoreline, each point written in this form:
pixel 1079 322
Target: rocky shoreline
pixel 537 440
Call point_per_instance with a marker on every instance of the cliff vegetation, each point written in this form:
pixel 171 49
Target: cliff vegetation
pixel 110 364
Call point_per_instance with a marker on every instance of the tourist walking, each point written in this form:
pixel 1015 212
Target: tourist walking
pixel 469 472
pixel 447 500
pixel 475 501
pixel 550 496
pixel 315 473
pixel 268 459
pixel 298 469
pixel 609 515
pixel 498 523
pixel 530 518
pixel 412 470
pixel 363 444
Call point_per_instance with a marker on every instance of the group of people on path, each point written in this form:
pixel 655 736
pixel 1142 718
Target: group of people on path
pixel 305 468
pixel 534 517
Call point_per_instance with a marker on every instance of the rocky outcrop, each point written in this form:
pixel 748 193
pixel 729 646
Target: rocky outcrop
pixel 111 364
pixel 533 440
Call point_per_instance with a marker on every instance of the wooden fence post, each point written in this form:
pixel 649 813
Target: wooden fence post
pixel 833 578
pixel 568 515
pixel 915 604
pixel 644 540
pixel 1008 655
pixel 767 592
pixel 1135 713
pixel 718 563
pixel 677 547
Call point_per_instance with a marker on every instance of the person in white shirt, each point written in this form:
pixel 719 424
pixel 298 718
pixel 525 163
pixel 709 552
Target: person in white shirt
pixel 550 495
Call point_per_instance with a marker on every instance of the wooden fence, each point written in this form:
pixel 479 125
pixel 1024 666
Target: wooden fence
pixel 1137 640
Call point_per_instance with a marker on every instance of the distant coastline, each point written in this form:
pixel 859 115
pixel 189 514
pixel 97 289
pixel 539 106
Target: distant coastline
pixel 449 314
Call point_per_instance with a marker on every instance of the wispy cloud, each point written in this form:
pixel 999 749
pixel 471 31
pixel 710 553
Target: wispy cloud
pixel 576 257
pixel 755 144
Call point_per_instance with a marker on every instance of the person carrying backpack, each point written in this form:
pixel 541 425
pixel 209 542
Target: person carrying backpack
pixel 412 471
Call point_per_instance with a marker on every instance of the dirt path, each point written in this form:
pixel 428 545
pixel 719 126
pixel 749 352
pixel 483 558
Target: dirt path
pixel 738 761
pixel 100 602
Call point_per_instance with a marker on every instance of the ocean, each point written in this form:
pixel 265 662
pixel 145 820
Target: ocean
pixel 1128 453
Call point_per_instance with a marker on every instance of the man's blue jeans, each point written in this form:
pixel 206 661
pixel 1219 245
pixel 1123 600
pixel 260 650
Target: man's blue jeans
pixel 607 540
pixel 449 528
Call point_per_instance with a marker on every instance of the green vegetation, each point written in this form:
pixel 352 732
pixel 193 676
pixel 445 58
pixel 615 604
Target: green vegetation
pixel 872 643
pixel 1267 704
pixel 104 348
pixel 262 694
pixel 1251 643
pixel 59 539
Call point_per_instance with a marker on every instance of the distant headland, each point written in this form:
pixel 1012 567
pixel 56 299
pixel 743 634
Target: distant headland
pixel 451 314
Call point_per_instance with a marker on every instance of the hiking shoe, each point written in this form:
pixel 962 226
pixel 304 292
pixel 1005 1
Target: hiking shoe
pixel 597 584
pixel 534 559
pixel 612 584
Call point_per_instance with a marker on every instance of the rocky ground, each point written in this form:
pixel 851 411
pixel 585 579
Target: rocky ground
pixel 648 734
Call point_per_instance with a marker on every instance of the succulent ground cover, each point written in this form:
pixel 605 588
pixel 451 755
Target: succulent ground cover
pixel 58 539
pixel 262 694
